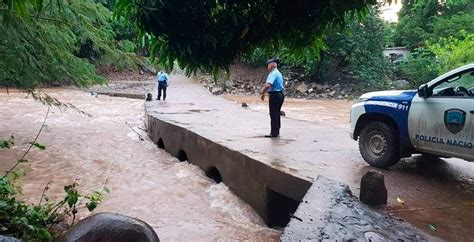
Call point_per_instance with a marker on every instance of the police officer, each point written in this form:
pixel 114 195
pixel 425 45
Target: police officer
pixel 163 81
pixel 274 86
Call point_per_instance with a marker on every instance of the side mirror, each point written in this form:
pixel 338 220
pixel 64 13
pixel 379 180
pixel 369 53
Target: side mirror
pixel 424 91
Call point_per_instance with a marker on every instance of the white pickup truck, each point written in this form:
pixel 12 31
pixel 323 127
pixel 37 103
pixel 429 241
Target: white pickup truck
pixel 437 119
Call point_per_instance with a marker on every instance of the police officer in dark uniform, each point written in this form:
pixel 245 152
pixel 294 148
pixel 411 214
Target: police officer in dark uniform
pixel 275 87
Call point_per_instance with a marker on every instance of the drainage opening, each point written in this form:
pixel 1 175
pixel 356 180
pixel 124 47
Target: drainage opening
pixel 279 209
pixel 182 156
pixel 214 174
pixel 161 144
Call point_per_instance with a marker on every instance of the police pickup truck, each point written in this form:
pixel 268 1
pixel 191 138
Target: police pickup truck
pixel 437 119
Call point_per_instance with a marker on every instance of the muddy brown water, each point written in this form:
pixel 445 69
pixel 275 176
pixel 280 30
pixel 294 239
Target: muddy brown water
pixel 175 198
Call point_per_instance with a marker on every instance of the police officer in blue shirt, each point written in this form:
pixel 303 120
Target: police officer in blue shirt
pixel 162 79
pixel 274 86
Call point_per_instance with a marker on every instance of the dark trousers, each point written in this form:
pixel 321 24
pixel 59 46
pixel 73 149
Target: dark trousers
pixel 162 87
pixel 275 102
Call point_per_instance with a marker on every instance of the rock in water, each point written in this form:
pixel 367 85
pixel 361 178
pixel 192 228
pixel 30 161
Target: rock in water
pixel 149 97
pixel 282 113
pixel 110 227
pixel 372 189
pixel 245 105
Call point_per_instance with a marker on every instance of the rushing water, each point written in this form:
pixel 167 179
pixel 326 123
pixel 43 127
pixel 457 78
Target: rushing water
pixel 320 111
pixel 175 198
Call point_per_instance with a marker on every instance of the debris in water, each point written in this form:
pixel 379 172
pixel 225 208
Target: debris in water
pixel 432 227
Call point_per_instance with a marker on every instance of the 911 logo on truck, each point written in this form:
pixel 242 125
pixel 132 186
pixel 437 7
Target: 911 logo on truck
pixel 436 119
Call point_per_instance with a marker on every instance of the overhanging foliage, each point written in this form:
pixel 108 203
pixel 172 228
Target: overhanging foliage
pixel 60 42
pixel 210 34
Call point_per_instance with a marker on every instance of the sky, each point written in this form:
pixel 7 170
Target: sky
pixel 389 11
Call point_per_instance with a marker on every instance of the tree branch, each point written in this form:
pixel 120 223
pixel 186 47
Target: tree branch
pixel 29 148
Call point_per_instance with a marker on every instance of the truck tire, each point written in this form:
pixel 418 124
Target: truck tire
pixel 379 144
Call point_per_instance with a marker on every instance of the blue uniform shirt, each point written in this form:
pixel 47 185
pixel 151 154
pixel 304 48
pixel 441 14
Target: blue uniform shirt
pixel 162 77
pixel 275 79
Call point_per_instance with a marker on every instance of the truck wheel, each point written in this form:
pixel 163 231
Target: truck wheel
pixel 379 144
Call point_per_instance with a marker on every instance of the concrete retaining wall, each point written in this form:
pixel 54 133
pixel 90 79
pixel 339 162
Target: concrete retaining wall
pixel 272 193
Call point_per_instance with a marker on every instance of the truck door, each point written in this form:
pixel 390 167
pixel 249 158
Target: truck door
pixel 443 123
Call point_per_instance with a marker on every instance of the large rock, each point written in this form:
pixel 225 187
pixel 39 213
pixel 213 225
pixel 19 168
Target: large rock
pixel 217 90
pixel 302 88
pixel 372 189
pixel 110 227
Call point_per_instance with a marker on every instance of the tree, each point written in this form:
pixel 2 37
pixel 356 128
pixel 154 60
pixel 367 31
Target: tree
pixel 453 52
pixel 429 20
pixel 61 44
pixel 413 26
pixel 210 34
pixel 438 34
pixel 352 52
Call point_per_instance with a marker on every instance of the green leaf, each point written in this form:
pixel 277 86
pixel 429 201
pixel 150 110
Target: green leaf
pixel 91 206
pixel 44 235
pixel 39 146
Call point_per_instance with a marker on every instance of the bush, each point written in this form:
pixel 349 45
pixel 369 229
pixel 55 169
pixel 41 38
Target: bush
pixel 425 64
pixel 420 67
pixel 453 52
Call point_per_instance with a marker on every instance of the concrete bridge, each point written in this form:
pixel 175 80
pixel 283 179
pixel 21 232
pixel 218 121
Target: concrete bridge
pixel 228 143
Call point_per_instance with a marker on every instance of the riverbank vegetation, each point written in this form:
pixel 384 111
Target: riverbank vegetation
pixel 45 219
pixel 439 36
pixel 73 42
pixel 61 43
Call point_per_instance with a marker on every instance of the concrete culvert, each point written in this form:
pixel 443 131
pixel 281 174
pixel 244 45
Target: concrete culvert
pixel 161 144
pixel 213 173
pixel 182 156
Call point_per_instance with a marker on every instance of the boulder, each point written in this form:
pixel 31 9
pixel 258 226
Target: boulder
pixel 319 87
pixel 110 227
pixel 372 189
pixel 149 97
pixel 302 88
pixel 245 105
pixel 217 90
pixel 229 83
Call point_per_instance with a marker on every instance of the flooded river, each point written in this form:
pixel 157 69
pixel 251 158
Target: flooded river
pixel 176 199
